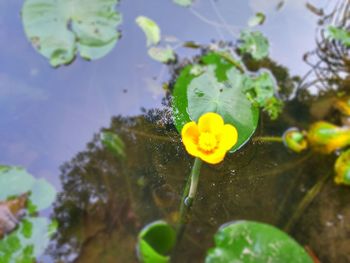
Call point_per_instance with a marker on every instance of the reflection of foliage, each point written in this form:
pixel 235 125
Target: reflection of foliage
pixel 330 61
pixel 105 198
pixel 105 202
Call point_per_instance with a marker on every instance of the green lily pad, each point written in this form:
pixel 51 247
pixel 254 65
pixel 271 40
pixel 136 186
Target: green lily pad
pixel 15 181
pixel 155 242
pixel 58 29
pixel 160 54
pixel 339 34
pixel 43 194
pixel 150 28
pixel 113 143
pixel 252 242
pixel 28 242
pixel 254 43
pixel 220 89
pixel 33 234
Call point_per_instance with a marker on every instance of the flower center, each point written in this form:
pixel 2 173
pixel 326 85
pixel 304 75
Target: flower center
pixel 207 141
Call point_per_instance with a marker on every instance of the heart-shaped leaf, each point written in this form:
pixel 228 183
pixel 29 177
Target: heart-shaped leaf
pixel 252 242
pixel 58 28
pixel 219 88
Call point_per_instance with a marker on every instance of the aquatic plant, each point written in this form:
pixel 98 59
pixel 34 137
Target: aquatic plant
pixel 342 169
pixel 152 31
pixel 210 139
pixel 59 29
pixel 26 236
pixel 295 140
pixel 252 242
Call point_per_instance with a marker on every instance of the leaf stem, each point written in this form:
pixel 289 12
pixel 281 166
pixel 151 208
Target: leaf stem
pixel 268 139
pixel 306 201
pixel 194 181
pixel 188 196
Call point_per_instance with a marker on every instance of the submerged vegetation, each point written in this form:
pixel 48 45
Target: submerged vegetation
pixel 220 107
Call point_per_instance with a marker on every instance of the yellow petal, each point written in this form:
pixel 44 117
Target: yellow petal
pixel 190 134
pixel 228 138
pixel 210 122
pixel 214 157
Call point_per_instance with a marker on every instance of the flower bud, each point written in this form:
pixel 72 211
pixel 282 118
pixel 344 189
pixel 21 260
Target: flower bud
pixel 295 140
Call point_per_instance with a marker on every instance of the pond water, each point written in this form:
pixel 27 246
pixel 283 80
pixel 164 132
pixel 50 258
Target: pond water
pixel 51 117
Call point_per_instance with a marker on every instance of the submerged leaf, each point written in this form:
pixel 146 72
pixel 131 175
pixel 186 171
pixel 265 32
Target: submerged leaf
pixel 185 3
pixel 150 28
pixel 256 20
pixel 155 242
pixel 255 44
pixel 339 34
pixel 160 54
pixel 252 242
pixel 113 143
pixel 60 28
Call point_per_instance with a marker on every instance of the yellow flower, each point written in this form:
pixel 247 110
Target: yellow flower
pixel 210 139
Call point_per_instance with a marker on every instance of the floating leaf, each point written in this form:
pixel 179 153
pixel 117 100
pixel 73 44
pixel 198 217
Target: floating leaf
pixel 113 143
pixel 31 237
pixel 220 89
pixel 252 242
pixel 15 181
pixel 256 20
pixel 28 242
pixel 60 28
pixel 150 28
pixel 261 91
pixel 155 242
pixel 339 34
pixel 163 55
pixel 255 44
pixel 342 168
pixel 185 3
pixel 43 194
